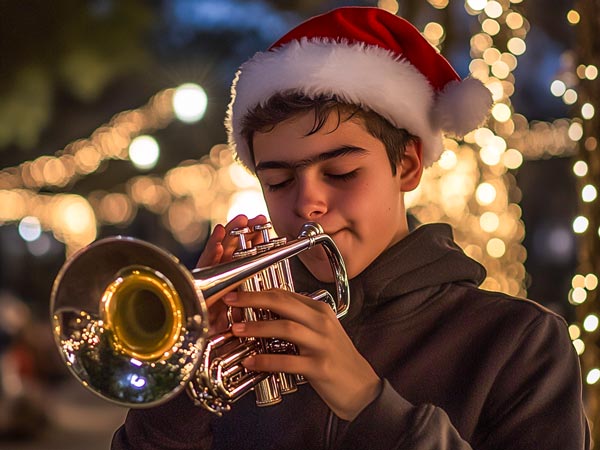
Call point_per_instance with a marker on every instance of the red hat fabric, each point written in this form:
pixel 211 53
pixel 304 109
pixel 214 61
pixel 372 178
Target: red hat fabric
pixel 370 58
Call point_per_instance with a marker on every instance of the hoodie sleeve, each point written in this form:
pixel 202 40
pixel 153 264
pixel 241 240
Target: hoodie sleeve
pixel 175 425
pixel 535 403
pixel 391 422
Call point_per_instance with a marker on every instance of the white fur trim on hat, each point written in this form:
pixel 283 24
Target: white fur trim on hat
pixel 367 76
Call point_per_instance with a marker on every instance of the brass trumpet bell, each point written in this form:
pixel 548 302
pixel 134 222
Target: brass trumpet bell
pixel 130 333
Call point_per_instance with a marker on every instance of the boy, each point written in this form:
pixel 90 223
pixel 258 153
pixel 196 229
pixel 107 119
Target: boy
pixel 337 120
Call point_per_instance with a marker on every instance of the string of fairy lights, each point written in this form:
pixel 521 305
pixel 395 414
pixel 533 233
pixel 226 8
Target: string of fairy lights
pixel 472 186
pixel 577 86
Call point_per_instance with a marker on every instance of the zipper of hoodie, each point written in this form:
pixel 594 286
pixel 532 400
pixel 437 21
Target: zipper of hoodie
pixel 329 430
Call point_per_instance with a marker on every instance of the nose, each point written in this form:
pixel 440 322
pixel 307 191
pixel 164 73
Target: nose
pixel 311 199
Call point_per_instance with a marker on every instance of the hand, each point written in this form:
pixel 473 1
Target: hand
pixel 327 357
pixel 219 248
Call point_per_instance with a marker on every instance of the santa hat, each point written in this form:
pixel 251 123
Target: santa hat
pixel 367 57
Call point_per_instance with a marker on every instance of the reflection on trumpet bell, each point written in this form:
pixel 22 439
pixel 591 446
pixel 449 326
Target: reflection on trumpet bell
pixel 131 322
pixel 143 311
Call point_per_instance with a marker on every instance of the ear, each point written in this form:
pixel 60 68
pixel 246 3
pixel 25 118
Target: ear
pixel 411 166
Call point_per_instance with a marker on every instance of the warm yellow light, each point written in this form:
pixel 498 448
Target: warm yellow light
pixel 77 216
pixel 579 346
pixel 492 151
pixel 558 88
pixel 115 208
pixel 12 205
pixel 496 248
pixel 578 281
pixel 388 5
pixel 481 41
pixel 482 136
pixel 591 281
pixel 591 72
pixel 242 178
pixel 498 143
pixel 577 296
pixel 433 31
pixel 249 202
pixel 496 88
pixel 489 221
pixel 574 331
pixel 587 111
pixel 570 96
pixel 580 168
pixel 580 224
pixel 501 112
pixel 591 143
pixel 500 69
pixel 491 27
pixel 87 160
pixel 73 220
pixel 580 71
pixel 493 9
pixel 514 20
pixel 575 131
pixel 516 46
pixel 512 158
pixel 479 69
pixel 477 5
pixel 491 55
pixel 485 194
pixel 590 323
pixel 490 155
pixel 589 193
pixel 439 4
pixel 573 17
pixel 447 160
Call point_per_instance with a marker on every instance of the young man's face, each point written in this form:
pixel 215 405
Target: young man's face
pixel 339 177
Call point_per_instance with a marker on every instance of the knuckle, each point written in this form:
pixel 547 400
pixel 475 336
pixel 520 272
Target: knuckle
pixel 289 327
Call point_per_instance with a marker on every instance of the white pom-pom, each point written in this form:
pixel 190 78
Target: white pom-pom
pixel 461 107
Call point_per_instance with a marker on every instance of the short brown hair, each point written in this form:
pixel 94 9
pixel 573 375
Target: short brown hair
pixel 283 106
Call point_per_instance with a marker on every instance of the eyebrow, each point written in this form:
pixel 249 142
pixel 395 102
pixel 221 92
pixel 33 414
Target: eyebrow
pixel 335 153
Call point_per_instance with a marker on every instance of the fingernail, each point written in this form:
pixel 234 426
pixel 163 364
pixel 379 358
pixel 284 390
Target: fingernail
pixel 230 297
pixel 248 363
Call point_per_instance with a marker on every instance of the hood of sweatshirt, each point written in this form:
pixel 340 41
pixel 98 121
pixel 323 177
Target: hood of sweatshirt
pixel 426 258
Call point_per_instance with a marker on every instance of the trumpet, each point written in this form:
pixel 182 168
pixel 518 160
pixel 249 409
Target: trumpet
pixel 131 323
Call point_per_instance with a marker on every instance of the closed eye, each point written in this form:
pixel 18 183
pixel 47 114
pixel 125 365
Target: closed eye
pixel 343 176
pixel 277 186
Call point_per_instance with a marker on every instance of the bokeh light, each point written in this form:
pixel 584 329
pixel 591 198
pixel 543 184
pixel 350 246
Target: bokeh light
pixel 144 152
pixel 30 228
pixel 189 102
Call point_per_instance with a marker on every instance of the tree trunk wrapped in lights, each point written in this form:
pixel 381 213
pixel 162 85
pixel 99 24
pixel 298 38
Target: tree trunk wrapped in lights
pixel 588 159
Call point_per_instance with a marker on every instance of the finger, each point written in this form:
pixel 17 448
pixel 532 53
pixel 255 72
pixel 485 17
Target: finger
pixel 286 304
pixel 213 250
pixel 296 364
pixel 283 329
